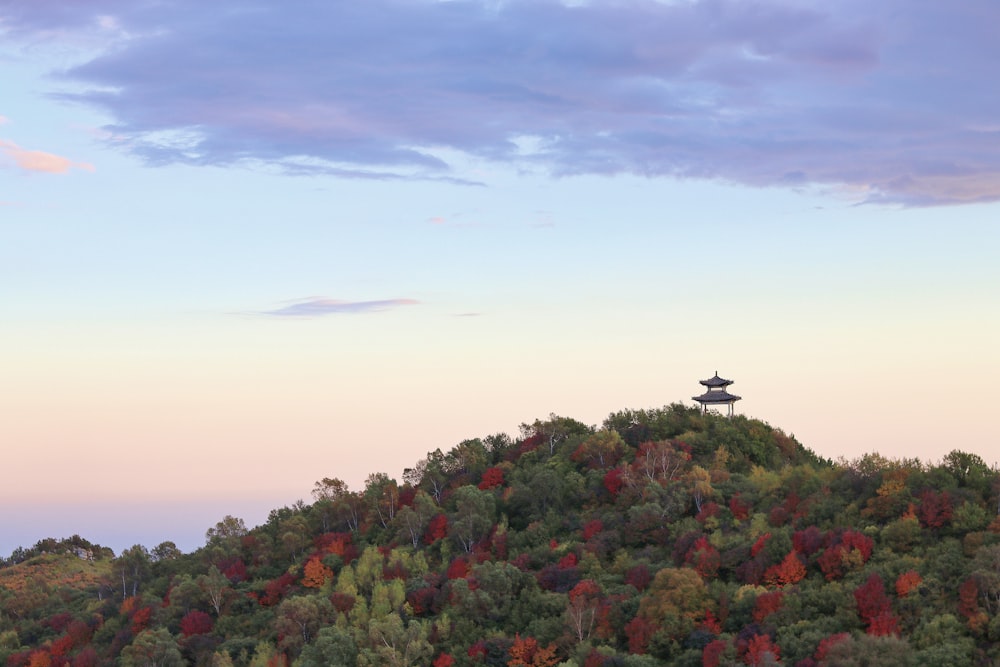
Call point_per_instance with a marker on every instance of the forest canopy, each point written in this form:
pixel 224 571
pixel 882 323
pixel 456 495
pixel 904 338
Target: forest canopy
pixel 661 536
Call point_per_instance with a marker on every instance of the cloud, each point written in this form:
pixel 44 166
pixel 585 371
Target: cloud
pixel 40 160
pixel 890 99
pixel 319 307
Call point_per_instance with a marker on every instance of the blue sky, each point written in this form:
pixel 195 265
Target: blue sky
pixel 244 247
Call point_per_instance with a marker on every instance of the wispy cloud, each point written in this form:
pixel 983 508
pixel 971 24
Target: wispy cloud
pixel 319 307
pixel 891 99
pixel 40 160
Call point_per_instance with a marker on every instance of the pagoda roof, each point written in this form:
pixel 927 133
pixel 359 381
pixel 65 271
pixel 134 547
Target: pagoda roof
pixel 716 381
pixel 717 396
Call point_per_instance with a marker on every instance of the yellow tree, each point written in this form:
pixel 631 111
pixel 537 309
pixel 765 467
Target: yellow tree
pixel 675 600
pixel 700 483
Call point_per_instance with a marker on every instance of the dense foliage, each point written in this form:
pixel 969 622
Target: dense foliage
pixel 663 537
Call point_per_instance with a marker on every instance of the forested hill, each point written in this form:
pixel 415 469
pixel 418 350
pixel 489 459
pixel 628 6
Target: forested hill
pixel 663 537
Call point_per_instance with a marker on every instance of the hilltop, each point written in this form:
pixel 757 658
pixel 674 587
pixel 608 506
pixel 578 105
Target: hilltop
pixel 664 536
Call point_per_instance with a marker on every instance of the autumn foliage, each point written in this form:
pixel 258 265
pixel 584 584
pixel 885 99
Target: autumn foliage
pixel 660 537
pixel 874 607
pixel 526 652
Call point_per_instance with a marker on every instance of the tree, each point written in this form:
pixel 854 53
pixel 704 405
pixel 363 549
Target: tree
pixel 299 619
pixel 788 571
pixel 473 517
pixel 907 582
pixel 165 551
pixel 333 646
pixel 554 430
pixel 132 567
pixel 968 469
pixel 660 461
pixel 216 588
pixel 382 494
pixel 492 478
pixel 601 450
pixel 429 474
pixel 581 612
pixel 866 650
pixel 412 521
pixel 152 648
pixel 874 608
pixel 339 506
pixel 229 529
pixel 700 482
pixel 392 642
pixel 315 573
pixel 196 622
pixel 704 558
pixel 675 600
pixel 527 653
pixel 762 652
pixel 467 458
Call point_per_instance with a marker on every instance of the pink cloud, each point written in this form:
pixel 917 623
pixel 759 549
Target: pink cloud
pixel 40 160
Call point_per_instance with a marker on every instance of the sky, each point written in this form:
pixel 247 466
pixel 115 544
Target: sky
pixel 245 245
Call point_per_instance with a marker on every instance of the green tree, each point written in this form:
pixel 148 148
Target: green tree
pixel 299 618
pixel 216 588
pixel 429 474
pixel 155 647
pixel 411 521
pixel 165 551
pixel 336 505
pixel 602 448
pixel 332 646
pixel 393 642
pixel 869 651
pixel 555 430
pixel 382 495
pixel 133 568
pixel 473 517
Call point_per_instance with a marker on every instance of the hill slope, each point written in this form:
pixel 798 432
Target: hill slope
pixel 663 537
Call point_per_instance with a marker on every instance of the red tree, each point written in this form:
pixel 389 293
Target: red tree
pixel 761 651
pixel 766 604
pixel 437 528
pixel 196 623
pixel 639 631
pixel 493 477
pixel 935 509
pixel 739 507
pixel 759 544
pixel 704 558
pixel 789 571
pixel 711 655
pixel 613 481
pixel 592 528
pixel 874 608
pixel 443 660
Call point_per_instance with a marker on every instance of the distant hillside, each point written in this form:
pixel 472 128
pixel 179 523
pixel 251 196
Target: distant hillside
pixel 662 537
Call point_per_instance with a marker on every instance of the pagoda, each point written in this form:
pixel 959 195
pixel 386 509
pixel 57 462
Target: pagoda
pixel 716 394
